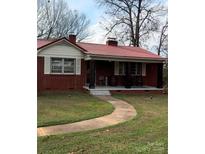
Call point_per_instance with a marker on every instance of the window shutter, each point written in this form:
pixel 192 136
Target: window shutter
pixel 143 69
pixel 47 65
pixel 116 68
pixel 78 66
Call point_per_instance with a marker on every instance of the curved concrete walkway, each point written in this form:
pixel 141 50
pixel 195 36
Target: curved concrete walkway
pixel 123 112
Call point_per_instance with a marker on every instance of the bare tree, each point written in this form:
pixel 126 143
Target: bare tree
pixel 56 20
pixel 163 40
pixel 132 20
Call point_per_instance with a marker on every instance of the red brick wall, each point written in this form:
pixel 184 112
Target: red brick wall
pixel 103 68
pixel 151 75
pixel 59 82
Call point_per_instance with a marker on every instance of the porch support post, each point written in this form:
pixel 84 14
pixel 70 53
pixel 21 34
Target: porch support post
pixel 160 75
pixel 139 73
pixel 92 74
pixel 128 80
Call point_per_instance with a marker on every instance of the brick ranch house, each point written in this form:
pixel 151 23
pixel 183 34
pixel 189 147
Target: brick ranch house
pixel 65 64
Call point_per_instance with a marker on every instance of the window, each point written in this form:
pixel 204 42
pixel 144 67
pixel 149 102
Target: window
pixel 134 68
pixel 56 65
pixel 62 65
pixel 121 68
pixel 69 65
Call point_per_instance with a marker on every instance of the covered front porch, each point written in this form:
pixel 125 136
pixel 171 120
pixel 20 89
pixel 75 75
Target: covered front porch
pixel 124 75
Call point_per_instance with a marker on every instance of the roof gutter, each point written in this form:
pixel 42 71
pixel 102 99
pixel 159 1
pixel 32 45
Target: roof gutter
pixel 123 58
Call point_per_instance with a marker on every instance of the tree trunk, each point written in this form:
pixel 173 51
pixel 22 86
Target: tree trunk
pixel 133 40
pixel 138 24
pixel 49 33
pixel 159 48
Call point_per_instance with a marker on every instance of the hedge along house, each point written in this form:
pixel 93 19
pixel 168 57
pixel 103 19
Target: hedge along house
pixel 65 64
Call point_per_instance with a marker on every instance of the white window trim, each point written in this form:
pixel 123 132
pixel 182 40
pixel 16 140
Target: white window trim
pixel 78 66
pixel 47 64
pixel 116 68
pixel 144 69
pixel 62 73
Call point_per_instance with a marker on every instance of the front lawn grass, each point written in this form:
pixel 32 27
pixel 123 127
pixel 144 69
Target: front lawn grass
pixel 67 107
pixel 145 134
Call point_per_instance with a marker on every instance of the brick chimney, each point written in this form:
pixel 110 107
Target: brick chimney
pixel 72 38
pixel 111 41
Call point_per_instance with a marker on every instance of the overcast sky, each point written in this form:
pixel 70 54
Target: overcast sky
pixel 94 14
pixel 88 7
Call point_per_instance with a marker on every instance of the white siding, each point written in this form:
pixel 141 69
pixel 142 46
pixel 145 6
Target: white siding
pixel 78 66
pixel 61 50
pixel 116 68
pixel 143 69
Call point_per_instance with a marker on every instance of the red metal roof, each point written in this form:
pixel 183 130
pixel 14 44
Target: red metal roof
pixel 112 51
pixel 42 42
pixel 120 51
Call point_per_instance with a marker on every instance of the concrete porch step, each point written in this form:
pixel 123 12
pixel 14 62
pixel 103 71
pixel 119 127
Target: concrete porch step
pixel 100 92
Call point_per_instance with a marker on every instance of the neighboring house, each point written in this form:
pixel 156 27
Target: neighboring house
pixel 65 64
